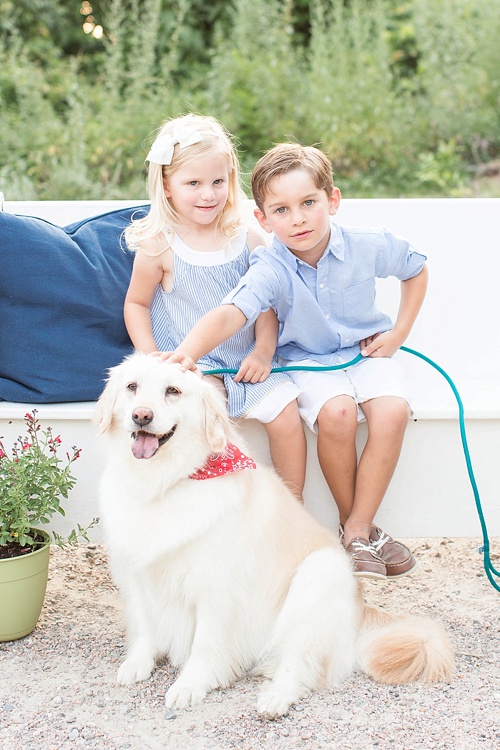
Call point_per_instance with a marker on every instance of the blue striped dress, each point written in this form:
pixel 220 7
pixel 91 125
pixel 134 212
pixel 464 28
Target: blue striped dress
pixel 201 280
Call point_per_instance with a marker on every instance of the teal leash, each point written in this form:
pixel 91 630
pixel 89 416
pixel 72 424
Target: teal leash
pixel 289 368
pixel 485 548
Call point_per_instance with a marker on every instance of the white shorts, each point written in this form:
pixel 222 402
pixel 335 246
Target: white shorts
pixel 371 378
pixel 273 403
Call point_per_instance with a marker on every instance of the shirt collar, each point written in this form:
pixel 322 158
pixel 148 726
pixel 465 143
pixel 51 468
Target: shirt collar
pixel 335 247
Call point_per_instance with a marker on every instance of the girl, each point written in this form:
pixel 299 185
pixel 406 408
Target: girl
pixel 191 250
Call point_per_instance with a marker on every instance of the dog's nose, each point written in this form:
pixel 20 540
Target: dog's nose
pixel 142 416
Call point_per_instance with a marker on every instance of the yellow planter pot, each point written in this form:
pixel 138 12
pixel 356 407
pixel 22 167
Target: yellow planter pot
pixel 23 581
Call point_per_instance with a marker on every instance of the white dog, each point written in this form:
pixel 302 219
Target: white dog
pixel 220 568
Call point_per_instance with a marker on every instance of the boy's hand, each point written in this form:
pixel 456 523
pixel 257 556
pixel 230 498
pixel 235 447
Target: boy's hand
pixel 253 369
pixel 380 344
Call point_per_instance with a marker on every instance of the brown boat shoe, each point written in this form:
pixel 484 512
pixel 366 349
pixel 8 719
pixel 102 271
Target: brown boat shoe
pixel 398 559
pixel 366 561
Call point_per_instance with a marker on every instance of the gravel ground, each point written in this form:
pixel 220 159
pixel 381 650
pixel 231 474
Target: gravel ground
pixel 57 688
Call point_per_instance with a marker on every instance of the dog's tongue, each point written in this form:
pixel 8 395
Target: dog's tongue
pixel 144 445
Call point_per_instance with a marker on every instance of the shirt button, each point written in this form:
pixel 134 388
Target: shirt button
pixel 328 316
pixel 321 286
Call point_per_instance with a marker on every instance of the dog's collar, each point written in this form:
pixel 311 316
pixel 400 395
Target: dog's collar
pixel 231 459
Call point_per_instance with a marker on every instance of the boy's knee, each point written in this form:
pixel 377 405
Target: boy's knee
pixel 397 411
pixel 388 413
pixel 338 414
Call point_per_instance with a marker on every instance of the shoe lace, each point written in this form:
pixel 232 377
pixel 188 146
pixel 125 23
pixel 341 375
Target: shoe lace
pixel 360 546
pixel 379 543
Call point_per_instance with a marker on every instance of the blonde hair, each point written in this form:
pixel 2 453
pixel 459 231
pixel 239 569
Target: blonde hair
pixel 215 139
pixel 284 158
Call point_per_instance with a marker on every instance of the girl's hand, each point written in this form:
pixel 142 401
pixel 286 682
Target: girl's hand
pixel 253 369
pixel 380 344
pixel 184 360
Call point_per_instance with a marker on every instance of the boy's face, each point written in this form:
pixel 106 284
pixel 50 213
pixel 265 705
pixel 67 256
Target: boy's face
pixel 299 213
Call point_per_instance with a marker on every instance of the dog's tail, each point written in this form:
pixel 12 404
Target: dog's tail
pixel 397 650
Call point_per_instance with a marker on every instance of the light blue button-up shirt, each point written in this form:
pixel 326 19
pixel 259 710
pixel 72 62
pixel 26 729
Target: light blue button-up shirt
pixel 325 312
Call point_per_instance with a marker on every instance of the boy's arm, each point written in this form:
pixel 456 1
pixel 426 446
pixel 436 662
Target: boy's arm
pixel 212 329
pixel 412 295
pixel 255 368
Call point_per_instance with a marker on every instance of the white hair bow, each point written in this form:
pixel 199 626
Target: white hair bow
pixel 184 134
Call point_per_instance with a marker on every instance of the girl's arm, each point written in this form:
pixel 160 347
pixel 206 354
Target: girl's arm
pixel 412 295
pixel 212 329
pixel 147 273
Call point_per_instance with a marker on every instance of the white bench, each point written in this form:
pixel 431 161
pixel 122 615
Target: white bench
pixel 458 328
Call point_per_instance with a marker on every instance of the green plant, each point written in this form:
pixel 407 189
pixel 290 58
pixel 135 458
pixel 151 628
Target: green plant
pixel 33 479
pixel 442 169
pixel 378 85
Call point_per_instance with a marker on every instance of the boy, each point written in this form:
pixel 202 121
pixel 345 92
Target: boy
pixel 320 279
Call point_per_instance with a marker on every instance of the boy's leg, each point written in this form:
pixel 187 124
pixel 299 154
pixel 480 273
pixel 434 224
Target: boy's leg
pixel 387 418
pixel 328 408
pixel 337 425
pixel 287 445
pixel 330 405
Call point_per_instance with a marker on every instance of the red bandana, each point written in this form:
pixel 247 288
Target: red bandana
pixel 231 459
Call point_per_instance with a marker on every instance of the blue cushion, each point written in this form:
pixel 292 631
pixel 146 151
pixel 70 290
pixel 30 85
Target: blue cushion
pixel 61 305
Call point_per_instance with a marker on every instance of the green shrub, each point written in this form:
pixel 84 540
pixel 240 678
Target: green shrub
pixel 404 97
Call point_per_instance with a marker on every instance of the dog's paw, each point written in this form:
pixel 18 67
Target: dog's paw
pixel 134 670
pixel 181 695
pixel 272 703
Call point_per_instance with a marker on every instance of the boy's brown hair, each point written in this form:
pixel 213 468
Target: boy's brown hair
pixel 284 158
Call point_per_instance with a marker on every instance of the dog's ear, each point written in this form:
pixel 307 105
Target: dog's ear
pixel 104 412
pixel 217 423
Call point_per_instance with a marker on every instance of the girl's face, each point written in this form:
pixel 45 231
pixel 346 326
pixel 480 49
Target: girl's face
pixel 198 190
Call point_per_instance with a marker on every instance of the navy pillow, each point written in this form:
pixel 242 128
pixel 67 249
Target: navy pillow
pixel 61 305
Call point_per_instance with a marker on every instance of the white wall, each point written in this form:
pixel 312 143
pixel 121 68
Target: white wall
pixel 458 327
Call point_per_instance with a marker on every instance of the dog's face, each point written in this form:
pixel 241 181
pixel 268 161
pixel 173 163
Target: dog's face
pixel 157 403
